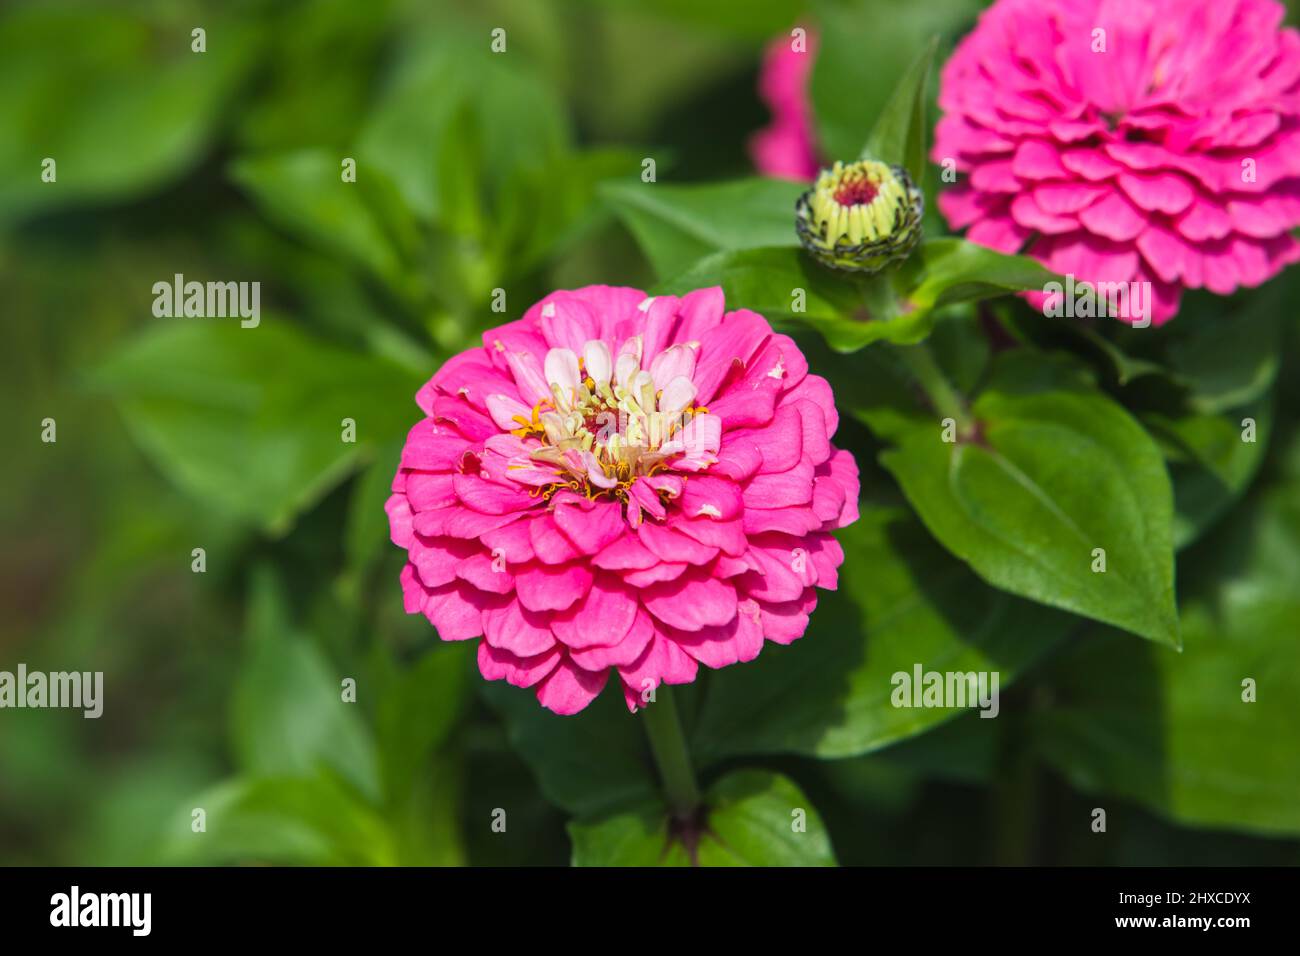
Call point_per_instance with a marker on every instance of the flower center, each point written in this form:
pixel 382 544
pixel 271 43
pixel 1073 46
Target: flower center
pixel 609 422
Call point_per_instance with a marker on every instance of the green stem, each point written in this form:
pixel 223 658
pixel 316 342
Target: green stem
pixel 668 744
pixel 925 370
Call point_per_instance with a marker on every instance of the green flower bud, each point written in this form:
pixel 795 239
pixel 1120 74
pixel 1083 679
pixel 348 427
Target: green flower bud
pixel 860 217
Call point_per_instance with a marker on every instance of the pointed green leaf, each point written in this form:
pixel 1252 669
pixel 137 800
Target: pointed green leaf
pixel 901 133
pixel 1058 480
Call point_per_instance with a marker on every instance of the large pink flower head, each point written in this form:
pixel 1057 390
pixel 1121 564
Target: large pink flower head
pixel 1129 140
pixel 786 148
pixel 621 482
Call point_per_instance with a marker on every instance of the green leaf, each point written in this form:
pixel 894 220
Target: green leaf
pixel 363 222
pixel 116 98
pixel 849 313
pixel 754 819
pixel 901 131
pixel 311 821
pixel 678 225
pixel 445 79
pixel 249 420
pixel 902 602
pixel 1057 471
pixel 544 211
pixel 640 836
pixel 950 270
pixel 289 717
pixel 417 708
pixel 1172 731
pixel 751 818
pixel 588 764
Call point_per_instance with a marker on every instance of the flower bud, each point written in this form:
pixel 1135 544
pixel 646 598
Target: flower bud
pixel 860 217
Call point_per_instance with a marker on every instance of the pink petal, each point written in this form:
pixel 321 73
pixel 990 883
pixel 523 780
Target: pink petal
pixel 1163 192
pixel 512 627
pixel 691 602
pixel 601 619
pixel 497 664
pixel 548 587
pixel 455 610
pixel 623 653
pixel 569 688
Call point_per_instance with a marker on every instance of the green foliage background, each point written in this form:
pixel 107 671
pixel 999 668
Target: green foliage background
pixel 521 171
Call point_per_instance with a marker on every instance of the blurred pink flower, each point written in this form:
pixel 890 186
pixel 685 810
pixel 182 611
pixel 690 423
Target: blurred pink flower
pixel 616 481
pixel 1143 140
pixel 785 148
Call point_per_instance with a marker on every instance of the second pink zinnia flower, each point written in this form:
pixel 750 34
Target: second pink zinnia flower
pixel 1148 140
pixel 622 482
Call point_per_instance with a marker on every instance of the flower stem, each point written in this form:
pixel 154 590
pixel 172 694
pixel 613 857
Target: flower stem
pixel 668 744
pixel 943 398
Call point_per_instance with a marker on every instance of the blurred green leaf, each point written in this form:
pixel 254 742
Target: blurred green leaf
pixel 249 419
pixel 678 225
pixel 289 717
pixel 901 132
pixel 757 19
pixel 367 531
pixel 311 821
pixel 544 210
pixel 1076 336
pixel 318 68
pixel 1209 462
pixel 364 222
pixel 115 97
pixel 1230 360
pixel 1057 470
pixel 443 79
pixel 1172 731
pixel 902 602
pixel 417 708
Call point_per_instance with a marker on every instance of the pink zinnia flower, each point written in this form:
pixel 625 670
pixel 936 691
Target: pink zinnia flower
pixel 616 481
pixel 785 148
pixel 1143 140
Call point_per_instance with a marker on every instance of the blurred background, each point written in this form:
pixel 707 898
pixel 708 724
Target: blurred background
pixel 477 171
